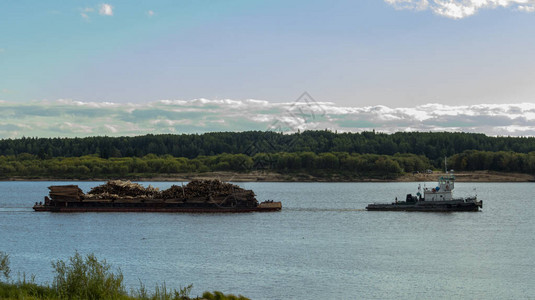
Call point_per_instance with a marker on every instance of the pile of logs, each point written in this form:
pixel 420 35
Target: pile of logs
pixel 200 188
pixel 65 192
pixel 123 189
pixel 215 191
pixel 211 191
pixel 174 192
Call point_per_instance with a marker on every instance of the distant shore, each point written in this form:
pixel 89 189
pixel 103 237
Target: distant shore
pixel 257 176
pixel 476 176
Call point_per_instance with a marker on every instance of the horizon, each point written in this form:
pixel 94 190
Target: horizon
pixel 283 133
pixel 67 118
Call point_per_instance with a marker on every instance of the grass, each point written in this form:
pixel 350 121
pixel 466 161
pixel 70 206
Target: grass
pixel 90 278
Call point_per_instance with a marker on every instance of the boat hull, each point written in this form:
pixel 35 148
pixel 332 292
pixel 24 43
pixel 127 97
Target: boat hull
pixel 42 208
pixel 107 207
pixel 434 206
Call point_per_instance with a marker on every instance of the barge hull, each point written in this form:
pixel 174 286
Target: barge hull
pixel 157 210
pixel 106 206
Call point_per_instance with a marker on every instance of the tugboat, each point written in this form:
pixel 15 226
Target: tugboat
pixel 438 199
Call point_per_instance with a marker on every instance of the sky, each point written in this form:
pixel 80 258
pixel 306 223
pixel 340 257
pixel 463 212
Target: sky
pixel 118 67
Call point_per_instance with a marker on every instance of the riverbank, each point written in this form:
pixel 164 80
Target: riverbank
pixel 258 176
pixel 477 176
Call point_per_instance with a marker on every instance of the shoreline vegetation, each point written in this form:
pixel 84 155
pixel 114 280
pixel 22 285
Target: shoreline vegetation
pixel 269 156
pixel 87 277
pixel 257 176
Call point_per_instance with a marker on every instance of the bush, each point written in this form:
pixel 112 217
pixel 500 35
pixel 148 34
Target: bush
pixel 87 278
pixel 162 293
pixel 4 264
pixel 220 296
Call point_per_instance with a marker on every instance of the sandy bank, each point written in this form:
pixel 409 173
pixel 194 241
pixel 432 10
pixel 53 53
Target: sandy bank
pixel 477 176
pixel 257 176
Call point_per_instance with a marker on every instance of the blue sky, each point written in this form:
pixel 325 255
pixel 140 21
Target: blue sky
pixel 350 54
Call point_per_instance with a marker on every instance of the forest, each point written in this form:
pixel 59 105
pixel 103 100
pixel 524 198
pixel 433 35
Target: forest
pixel 434 145
pixel 366 154
pixel 91 166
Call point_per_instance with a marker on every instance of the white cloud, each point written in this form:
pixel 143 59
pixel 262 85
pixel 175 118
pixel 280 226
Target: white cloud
pixel 458 9
pixel 105 9
pixel 75 128
pixel 150 13
pixel 526 8
pixel 66 117
pixel 409 4
pixel 168 122
pixel 111 128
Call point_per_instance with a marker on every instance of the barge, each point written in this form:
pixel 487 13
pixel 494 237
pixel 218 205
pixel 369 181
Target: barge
pixel 198 196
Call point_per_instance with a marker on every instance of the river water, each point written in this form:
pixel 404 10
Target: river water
pixel 322 245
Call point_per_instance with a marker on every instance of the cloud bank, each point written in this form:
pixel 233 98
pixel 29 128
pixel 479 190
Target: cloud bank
pixel 69 118
pixel 458 9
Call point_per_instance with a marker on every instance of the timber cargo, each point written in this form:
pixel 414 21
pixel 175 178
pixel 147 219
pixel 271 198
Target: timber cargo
pixel 198 196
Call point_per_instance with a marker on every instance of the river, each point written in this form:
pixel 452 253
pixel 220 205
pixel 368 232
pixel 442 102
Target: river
pixel 322 245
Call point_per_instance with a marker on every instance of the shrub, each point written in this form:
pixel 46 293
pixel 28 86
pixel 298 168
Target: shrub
pixel 217 295
pixel 162 293
pixel 87 278
pixel 4 264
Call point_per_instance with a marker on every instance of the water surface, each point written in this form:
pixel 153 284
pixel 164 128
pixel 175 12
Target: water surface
pixel 322 245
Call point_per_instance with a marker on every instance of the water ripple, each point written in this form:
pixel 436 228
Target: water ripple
pixel 314 209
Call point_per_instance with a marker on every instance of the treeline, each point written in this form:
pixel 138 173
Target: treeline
pixel 434 145
pixel 91 166
pixel 503 161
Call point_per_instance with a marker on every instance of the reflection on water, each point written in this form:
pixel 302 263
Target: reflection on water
pixel 16 209
pixel 321 209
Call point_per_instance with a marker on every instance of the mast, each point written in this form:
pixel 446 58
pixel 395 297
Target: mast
pixel 445 165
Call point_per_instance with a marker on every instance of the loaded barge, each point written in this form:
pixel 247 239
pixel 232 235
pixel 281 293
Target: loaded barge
pixel 198 196
pixel 438 199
